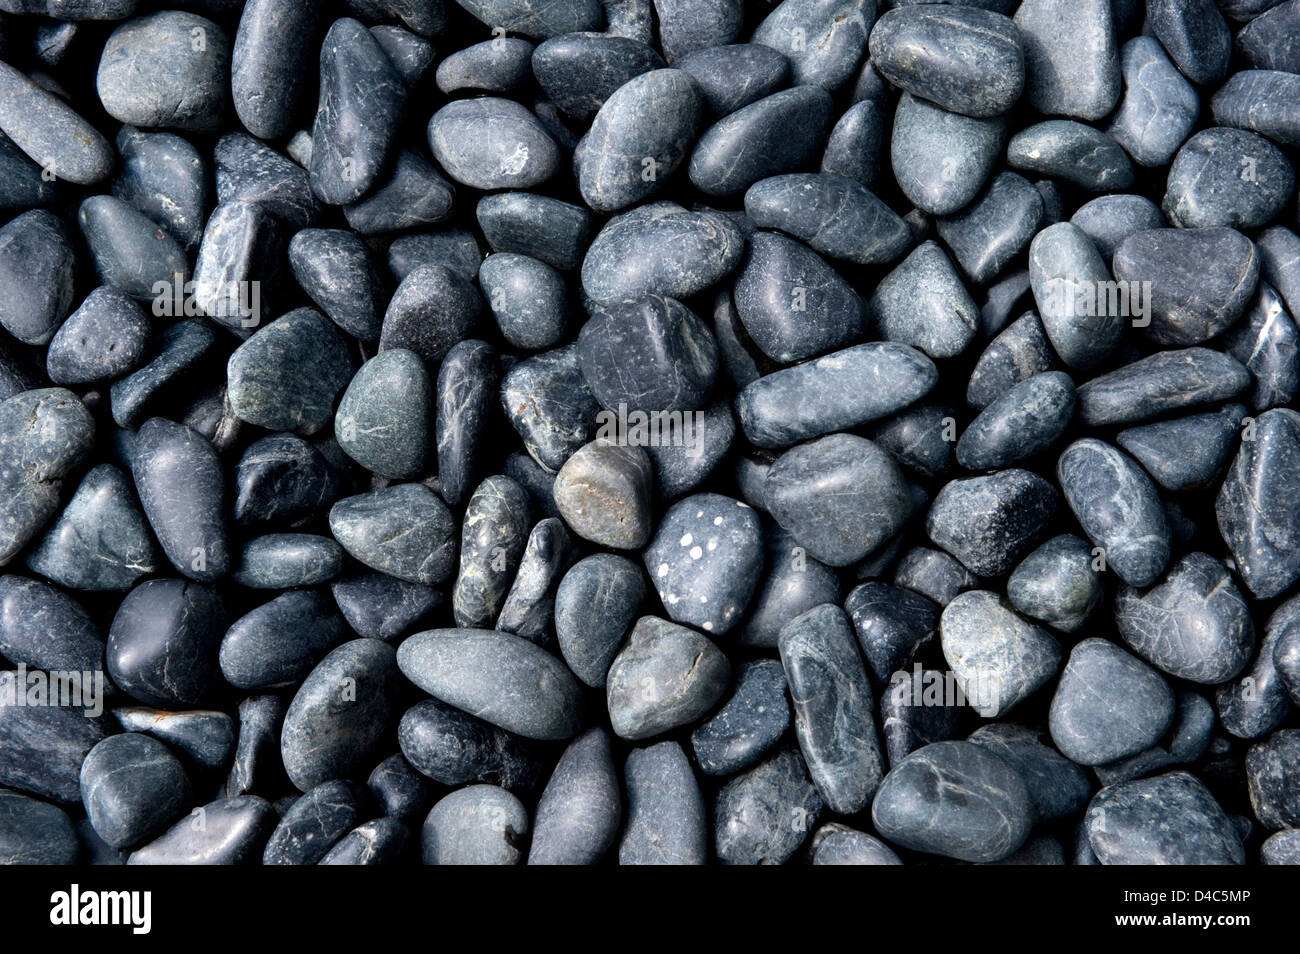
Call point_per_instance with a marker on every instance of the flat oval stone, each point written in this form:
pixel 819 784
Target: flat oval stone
pixel 603 493
pixel 833 717
pixel 1070 59
pixel 779 133
pixel 498 677
pixel 653 355
pixel 1057 583
pixel 240 243
pixel 580 71
pixel 492 143
pixel 362 98
pixel 1018 353
pixel 1068 278
pixel 493 66
pixel 833 214
pixel 823 395
pixel 547 229
pixel 282 477
pixel 100 541
pixel 493 538
pixel 336 269
pixel 667 676
pixel 1108 705
pixel 178 477
pixel 794 583
pixel 1201 280
pixel 1227 178
pixel 51 133
pixel 166 178
pixel 133 788
pixel 41 627
pixel 1024 421
pixel 1058 788
pixel 340 713
pixel 1185 452
pixel 404 531
pixel 1267 342
pixel 732 76
pixel 839 496
pixel 955 799
pixel 527 298
pixel 940 159
pixel 314 824
pixel 412 195
pixel 1271 776
pixel 548 401
pixel 1073 152
pixel 666 819
pixel 660 249
pixel 279 643
pixel 1195 35
pixel 1165 381
pixel 855 143
pixel 162 645
pixel 1262 101
pixel 379 606
pixel 1159 108
pixel 476 825
pixel 33 832
pixel 748 725
pixel 131 251
pixel 453 248
pixel 792 304
pixel 832 37
pixel 764 815
pixel 1167 820
pixel 639 137
pixel 383 419
pixel 995 228
pixel 106 338
pixel 923 303
pixel 37 268
pixel 964 59
pixel 233 832
pixel 595 604
pixel 1109 219
pixel 271 57
pixel 581 808
pixel 836 844
pixel 432 309
pixel 998 658
pixel 166 69
pixel 1195 625
pixel 453 747
pixel 205 737
pixel 990 523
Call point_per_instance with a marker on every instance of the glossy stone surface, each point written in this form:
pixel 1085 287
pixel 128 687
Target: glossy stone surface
pixel 477 825
pixel 42 747
pixel 547 229
pixel 1074 152
pixel 233 832
pixel 279 643
pixel 1195 35
pixel 282 477
pixel 1070 66
pixel 734 75
pixel 1267 342
pixel 1169 819
pixel 133 788
pixel 836 844
pixel 1162 382
pixel 665 677
pixel 990 523
pixel 492 143
pixel 1057 583
pixel 453 747
pixel 383 419
pixel 1271 770
pixel 204 737
pixel 162 645
pixel 995 229
pixel 1058 788
pixel 923 303
pixel 1016 354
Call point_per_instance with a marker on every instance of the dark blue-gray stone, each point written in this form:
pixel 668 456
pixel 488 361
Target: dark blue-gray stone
pixel 1109 219
pixel 923 303
pixel 780 133
pixel 1118 508
pixel 1070 282
pixel 684 461
pixel 955 799
pixel 1167 820
pixel 993 231
pixel 1073 152
pixel 765 814
pixel 37 266
pixel 1159 108
pixel 629 18
pixel 166 69
pixel 855 143
pixel 453 747
pixel 33 832
pixel 792 304
pixel 285 560
pixel 238 256
pixel 527 298
pixel 836 216
pixel 1281 848
pixel 432 309
pixel 22 186
pixel 100 541
pixel 248 170
pixel 44 435
pixel 1271 774
pixel 660 249
pixel 131 251
pixel 892 625
pixel 732 76
pixel 836 844
pixel 595 605
pixel 230 831
pixel 825 395
pixel 257 763
pixel 1268 42
pixel 1194 33
pixel 492 143
pixel 667 823
pixel 403 530
pixel 1194 625
pixel 414 195
pixel 272 55
pixel 536 20
pixel 498 677
pixel 998 658
pixel 424 17
pixel 666 677
pixel 547 229
pixel 1018 353
pixel 282 477
pixel 687 26
pixel 990 523
pixel 314 824
pixel 914 711
pixel 205 737
pixel 1023 422
pixel 1057 583
pixel 362 98
pixel 50 132
pixel 603 492
pixel 493 538
pixel 1004 297
pixel 1286 654
pixel 580 71
pixel 529 606
pixel 794 583
pixel 340 713
pixel 639 137
pixel 748 725
pixel 1108 705
pixel 963 59
pixel 941 160
pixel 920 438
pixel 1255 511
pixel 383 419
pixel 833 708
pixel 133 788
pixel 1264 101
pixel 399 790
pixel 498 65
pixel 162 644
pixel 1162 382
pixel 1256 702
pixel 42 747
pixel 107 337
pixel 1267 342
pixel 1058 788
pixel 466 392
pixel 1227 178
pixel 476 825
pixel 379 606
pixel 1185 452
pixel 340 274
pixel 378 842
pixel 933 574
pixel 548 401
pixel 824 39
pixel 581 808
pixel 41 627
pixel 1071 68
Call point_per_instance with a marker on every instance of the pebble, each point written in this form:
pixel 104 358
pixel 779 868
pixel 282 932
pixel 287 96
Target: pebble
pixel 831 38
pixel 833 214
pixel 498 65
pixel 547 229
pixel 990 523
pixel 106 338
pixel 238 242
pixel 279 643
pixel 413 194
pixel 1073 152
pixel 853 148
pixel 836 844
pixel 249 171
pixel 380 606
pixel 580 811
pixel 527 298
pixel 475 825
pixel 1262 101
pixel 378 842
pixel 748 725
pixel 465 393
pixel 595 605
pixel 579 72
pixel 163 641
pixel 44 628
pixel 282 477
pixel 995 229
pixel 382 421
pixel 453 747
pixel 42 747
pixel 133 788
pixel 33 832
pixel 763 815
pixel 233 832
pixel 336 269
pixel 549 403
pixel 1267 342
pixel 492 143
pixel 1068 277
pixel 131 252
pixel 529 607
pixel 933 574
pixel 36 270
pixel 258 761
pixel 1227 178
pixel 205 737
pixel 666 817
pixel 1018 353
pixel 403 530
pixel 1109 219
pixel 892 625
pixel 1170 819
pixel 923 303
pixel 1057 583
pixel 432 309
pixel 666 676
pixel 271 57
pixel 793 583
pixel 1162 382
pixel 1071 66
pixel 603 493
pixel 1023 422
pixel 1280 848
pixel 1267 42
pixel 47 130
pixel 731 76
pixel 1058 788
pixel 1185 452
pixel 400 791
pixel 998 658
pixel 1256 702
pixel 940 159
pixel 1271 770
pixel 1194 33
pixel 493 539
